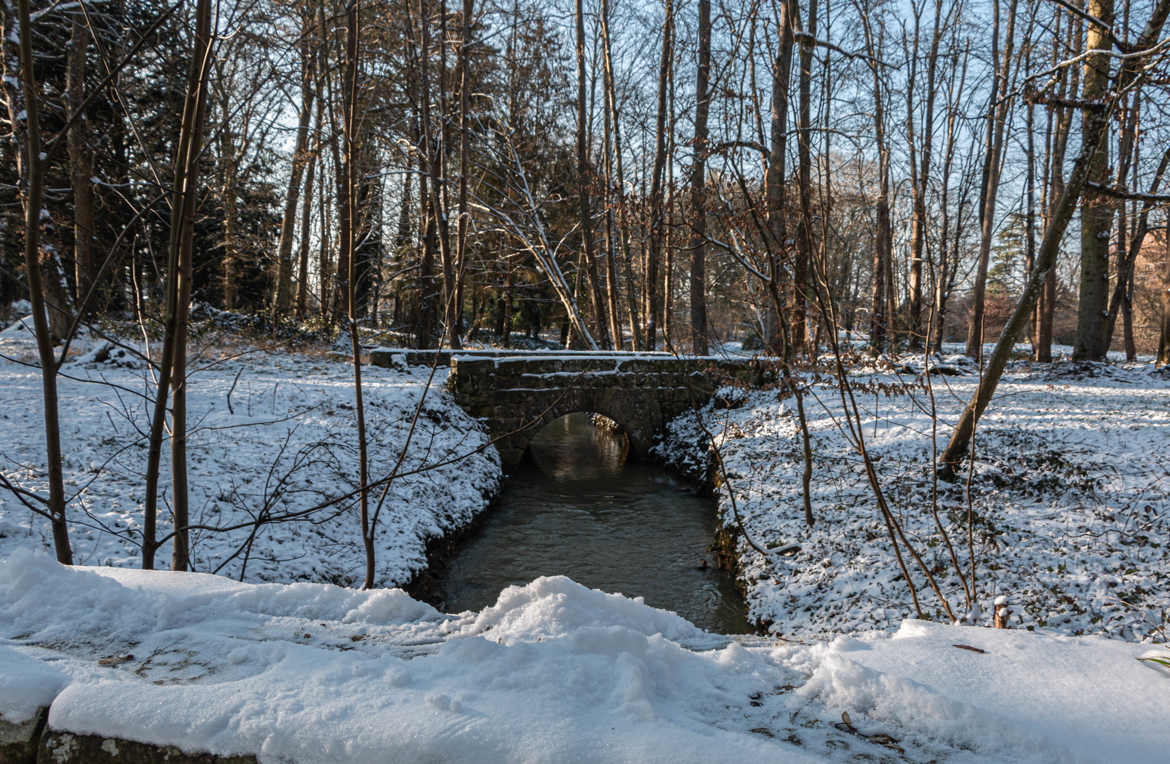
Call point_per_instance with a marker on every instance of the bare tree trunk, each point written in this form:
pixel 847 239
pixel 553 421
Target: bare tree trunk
pixel 31 170
pixel 509 294
pixel 1129 153
pixel 1030 195
pixel 1047 317
pixel 669 225
pixel 299 160
pixel 576 340
pixel 804 243
pixel 200 66
pixel 584 183
pixel 1164 334
pixel 335 297
pixel 699 187
pixel 1129 250
pixel 183 196
pixel 325 208
pixel 350 154
pixel 1096 209
pixel 323 255
pixel 349 223
pixel 657 215
pixel 997 112
pixel 1123 270
pixel 1127 320
pixel 922 181
pixel 1064 118
pixel 619 183
pixel 942 275
pixel 425 325
pixel 1045 192
pixel 229 172
pixel 880 318
pixel 80 161
pixel 464 168
pixel 613 288
pixel 1030 198
pixel 302 300
pixel 173 365
pixel 306 217
pixel 441 201
pixel 774 176
pixel 1096 122
pixel 821 261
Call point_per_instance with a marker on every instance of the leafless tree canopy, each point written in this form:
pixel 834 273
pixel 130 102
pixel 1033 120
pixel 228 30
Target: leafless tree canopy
pixel 606 174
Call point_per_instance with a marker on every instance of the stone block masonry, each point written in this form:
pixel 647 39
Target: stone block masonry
pixel 34 742
pixel 515 395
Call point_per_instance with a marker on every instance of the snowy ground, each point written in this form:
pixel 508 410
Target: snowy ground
pixel 1071 499
pixel 552 672
pixel 1072 487
pixel 271 433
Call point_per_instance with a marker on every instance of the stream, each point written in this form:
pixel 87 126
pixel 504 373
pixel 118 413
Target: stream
pixel 576 508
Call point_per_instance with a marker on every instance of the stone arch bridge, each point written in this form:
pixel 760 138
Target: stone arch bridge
pixel 517 394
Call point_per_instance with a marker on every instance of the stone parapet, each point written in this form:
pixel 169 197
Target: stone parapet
pixel 34 742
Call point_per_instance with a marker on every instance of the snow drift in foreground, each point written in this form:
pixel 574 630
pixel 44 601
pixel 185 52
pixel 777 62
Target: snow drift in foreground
pixel 552 672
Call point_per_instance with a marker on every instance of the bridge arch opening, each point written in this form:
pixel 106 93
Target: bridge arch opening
pixel 579 444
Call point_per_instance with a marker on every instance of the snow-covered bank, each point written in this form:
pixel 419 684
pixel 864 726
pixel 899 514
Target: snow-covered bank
pixel 1071 496
pixel 552 672
pixel 1010 694
pixel 271 434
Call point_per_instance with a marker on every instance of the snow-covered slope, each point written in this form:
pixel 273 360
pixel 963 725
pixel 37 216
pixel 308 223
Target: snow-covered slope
pixel 271 434
pixel 1070 495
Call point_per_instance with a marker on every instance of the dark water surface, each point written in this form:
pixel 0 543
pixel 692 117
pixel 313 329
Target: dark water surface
pixel 578 510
